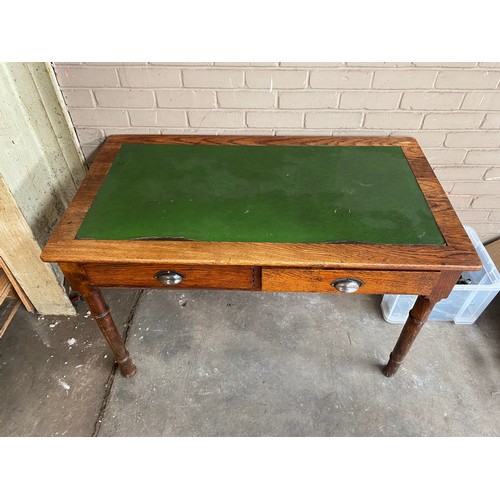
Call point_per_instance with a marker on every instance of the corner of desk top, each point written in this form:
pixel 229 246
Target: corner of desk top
pixel 114 139
pixel 46 255
pixel 52 250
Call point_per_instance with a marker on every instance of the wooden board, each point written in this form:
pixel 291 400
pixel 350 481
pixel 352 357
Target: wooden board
pixel 21 255
pixel 9 302
pixel 5 286
pixel 15 287
pixel 7 312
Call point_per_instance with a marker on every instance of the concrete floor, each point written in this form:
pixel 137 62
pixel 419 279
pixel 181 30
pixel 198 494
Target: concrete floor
pixel 248 364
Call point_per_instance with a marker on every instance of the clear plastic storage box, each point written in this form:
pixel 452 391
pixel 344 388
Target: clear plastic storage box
pixel 464 304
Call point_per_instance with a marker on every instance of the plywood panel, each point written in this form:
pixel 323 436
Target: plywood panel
pixel 21 252
pixel 9 302
pixel 15 287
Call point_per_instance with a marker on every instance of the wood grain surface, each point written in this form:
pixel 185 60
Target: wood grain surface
pixel 374 282
pixel 458 254
pixel 144 276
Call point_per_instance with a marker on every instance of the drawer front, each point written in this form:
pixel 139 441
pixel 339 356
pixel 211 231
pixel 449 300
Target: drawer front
pixel 181 276
pixel 347 280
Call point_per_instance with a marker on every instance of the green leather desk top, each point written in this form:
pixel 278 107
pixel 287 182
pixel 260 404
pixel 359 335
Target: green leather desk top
pixel 285 194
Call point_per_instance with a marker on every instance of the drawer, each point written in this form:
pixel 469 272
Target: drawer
pixel 374 282
pixel 145 276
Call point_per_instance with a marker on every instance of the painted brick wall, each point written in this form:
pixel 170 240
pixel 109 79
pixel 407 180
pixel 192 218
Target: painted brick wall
pixel 452 109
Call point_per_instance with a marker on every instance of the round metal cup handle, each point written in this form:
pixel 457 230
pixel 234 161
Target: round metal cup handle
pixel 347 285
pixel 169 278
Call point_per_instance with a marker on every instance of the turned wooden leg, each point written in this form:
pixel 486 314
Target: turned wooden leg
pixel 416 319
pixel 101 313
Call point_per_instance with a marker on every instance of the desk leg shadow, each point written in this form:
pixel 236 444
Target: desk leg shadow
pixel 100 311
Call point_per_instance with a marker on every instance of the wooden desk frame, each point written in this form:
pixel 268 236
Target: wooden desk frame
pixel 429 271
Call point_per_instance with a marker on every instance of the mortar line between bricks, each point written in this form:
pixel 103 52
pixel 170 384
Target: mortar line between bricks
pixel 111 378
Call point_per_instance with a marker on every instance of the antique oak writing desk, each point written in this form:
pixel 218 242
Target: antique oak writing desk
pixel 277 214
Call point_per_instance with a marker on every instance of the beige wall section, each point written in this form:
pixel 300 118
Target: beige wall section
pixel 38 158
pixel 452 109
pixel 40 167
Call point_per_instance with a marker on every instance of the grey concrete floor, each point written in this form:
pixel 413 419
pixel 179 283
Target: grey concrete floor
pixel 217 363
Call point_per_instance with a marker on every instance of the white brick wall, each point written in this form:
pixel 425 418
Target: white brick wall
pixel 452 109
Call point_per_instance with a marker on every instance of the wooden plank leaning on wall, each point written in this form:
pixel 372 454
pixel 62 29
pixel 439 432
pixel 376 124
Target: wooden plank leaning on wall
pixel 9 302
pixel 20 251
